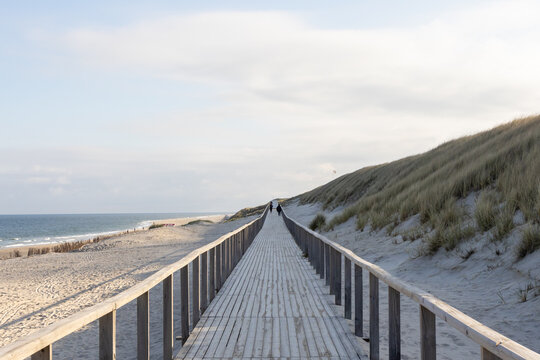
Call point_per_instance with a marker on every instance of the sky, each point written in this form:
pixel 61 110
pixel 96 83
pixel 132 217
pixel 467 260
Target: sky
pixel 171 106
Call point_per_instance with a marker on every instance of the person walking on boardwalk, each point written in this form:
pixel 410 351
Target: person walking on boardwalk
pixel 278 209
pixel 271 206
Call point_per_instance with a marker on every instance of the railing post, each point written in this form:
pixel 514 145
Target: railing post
pixel 373 317
pixel 321 258
pixel 107 336
pixel 427 335
pixel 327 263
pixel 143 327
pixel 184 306
pixel 195 291
pixel 43 354
pixel 338 277
pixel 218 267
pixel 168 330
pixel 204 282
pixel 332 269
pixel 212 274
pixel 358 302
pixel 394 324
pixel 348 292
pixel 486 355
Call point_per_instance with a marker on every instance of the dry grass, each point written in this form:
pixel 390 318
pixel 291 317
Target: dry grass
pixel 530 241
pixel 503 160
pixel 318 222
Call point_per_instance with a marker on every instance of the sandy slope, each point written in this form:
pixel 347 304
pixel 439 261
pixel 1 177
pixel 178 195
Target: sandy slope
pixel 37 291
pixel 485 286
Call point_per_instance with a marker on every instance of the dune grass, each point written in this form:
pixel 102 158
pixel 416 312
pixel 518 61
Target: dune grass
pixel 318 222
pixel 501 164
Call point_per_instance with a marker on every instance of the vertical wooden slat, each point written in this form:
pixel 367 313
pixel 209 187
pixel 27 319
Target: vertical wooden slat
pixel 321 252
pixel 394 324
pixel 219 268
pixel 486 355
pixel 348 290
pixel 195 292
pixel 327 263
pixel 143 327
pixel 373 317
pixel 168 330
pixel 43 354
pixel 332 270
pixel 358 302
pixel 338 278
pixel 184 305
pixel 107 336
pixel 212 275
pixel 204 282
pixel 427 335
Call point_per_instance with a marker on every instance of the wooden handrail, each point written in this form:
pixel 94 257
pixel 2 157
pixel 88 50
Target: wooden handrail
pixel 39 342
pixel 493 344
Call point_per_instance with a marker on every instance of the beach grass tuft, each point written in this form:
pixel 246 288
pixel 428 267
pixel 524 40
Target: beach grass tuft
pixel 318 222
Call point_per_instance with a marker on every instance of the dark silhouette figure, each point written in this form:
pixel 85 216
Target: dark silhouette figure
pixel 278 209
pixel 271 206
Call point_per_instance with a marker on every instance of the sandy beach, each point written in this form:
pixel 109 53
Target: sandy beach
pixel 485 286
pixel 36 291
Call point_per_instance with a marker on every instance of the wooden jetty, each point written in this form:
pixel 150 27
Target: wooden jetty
pixel 268 292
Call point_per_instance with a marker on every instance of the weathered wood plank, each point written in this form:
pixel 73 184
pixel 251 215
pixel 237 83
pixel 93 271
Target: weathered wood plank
pixel 184 302
pixel 358 302
pixel 212 275
pixel 204 282
pixel 168 328
pixel 373 317
pixel 143 327
pixel 107 336
pixel 428 349
pixel 43 354
pixel 394 324
pixel 195 304
pixel 348 289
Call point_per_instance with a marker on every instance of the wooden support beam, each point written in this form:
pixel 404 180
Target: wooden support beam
pixel 428 343
pixel 195 304
pixel 373 317
pixel 358 302
pixel 143 327
pixel 348 290
pixel 107 336
pixel 184 302
pixel 212 274
pixel 43 354
pixel 338 277
pixel 204 282
pixel 168 329
pixel 327 263
pixel 394 324
pixel 486 355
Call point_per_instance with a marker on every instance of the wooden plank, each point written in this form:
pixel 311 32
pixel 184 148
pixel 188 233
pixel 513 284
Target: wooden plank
pixel 107 336
pixel 218 268
pixel 212 275
pixel 184 302
pixel 43 354
pixel 394 325
pixel 168 328
pixel 358 302
pixel 373 317
pixel 204 282
pixel 487 355
pixel 428 346
pixel 338 275
pixel 195 305
pixel 143 327
pixel 327 263
pixel 348 289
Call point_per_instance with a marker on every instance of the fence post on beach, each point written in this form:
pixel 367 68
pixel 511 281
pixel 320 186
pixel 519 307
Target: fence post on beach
pixel 327 263
pixel 184 305
pixel 348 293
pixel 143 327
pixel 195 291
pixel 332 270
pixel 394 324
pixel 427 335
pixel 218 267
pixel 321 253
pixel 338 277
pixel 107 336
pixel 204 282
pixel 43 354
pixel 168 329
pixel 212 274
pixel 373 317
pixel 358 302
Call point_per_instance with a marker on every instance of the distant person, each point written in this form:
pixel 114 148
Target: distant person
pixel 278 209
pixel 271 206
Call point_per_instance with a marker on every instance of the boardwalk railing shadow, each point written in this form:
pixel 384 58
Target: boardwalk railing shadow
pixel 328 258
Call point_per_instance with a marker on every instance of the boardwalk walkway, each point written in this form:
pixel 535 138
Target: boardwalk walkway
pixel 272 306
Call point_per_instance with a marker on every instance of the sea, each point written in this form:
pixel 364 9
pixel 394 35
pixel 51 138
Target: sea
pixel 30 230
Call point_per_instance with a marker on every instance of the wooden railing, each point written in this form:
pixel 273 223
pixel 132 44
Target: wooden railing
pixel 211 265
pixel 328 257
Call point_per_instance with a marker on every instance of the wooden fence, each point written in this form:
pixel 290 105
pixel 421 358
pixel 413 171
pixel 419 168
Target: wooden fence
pixel 211 265
pixel 328 257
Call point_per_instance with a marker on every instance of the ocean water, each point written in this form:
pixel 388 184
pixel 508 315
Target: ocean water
pixel 25 230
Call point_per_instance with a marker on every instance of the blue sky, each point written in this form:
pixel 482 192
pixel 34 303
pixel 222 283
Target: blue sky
pixel 117 106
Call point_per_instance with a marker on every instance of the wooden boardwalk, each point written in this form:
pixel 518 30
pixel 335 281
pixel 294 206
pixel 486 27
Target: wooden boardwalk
pixel 272 306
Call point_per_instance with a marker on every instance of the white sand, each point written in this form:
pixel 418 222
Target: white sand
pixel 485 286
pixel 39 290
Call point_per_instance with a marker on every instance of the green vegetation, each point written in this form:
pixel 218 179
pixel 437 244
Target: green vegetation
pixel 500 164
pixel 318 222
pixel 530 241
pixel 155 226
pixel 199 221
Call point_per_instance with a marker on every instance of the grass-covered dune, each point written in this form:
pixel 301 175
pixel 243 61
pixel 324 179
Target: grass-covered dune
pixel 501 167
